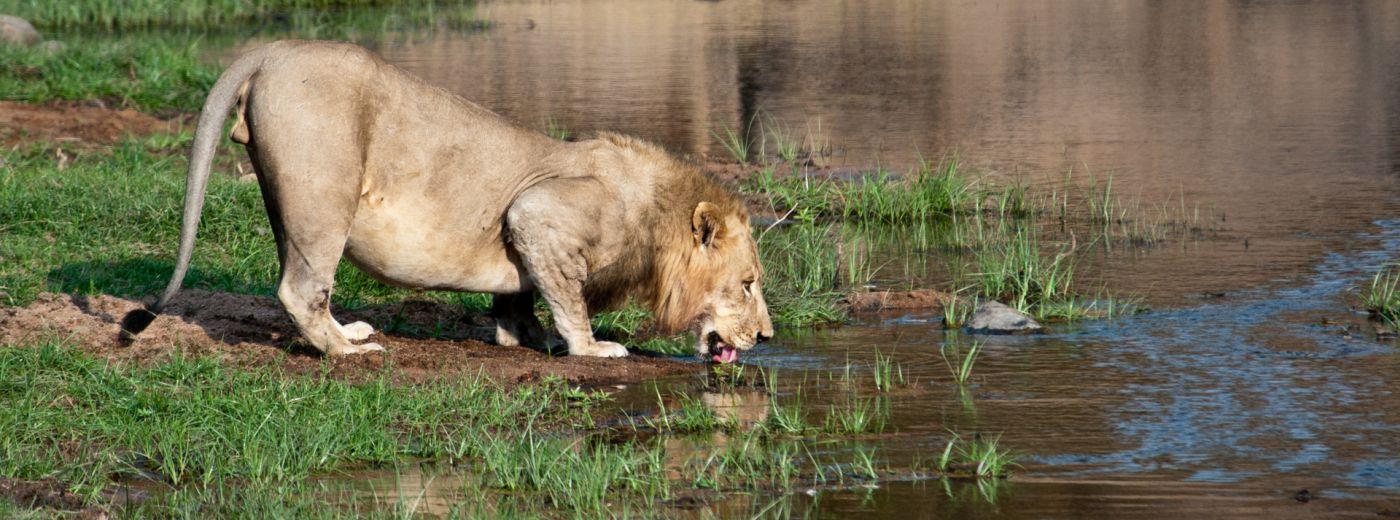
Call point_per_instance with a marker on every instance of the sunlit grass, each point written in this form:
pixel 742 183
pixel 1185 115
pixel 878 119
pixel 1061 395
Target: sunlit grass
pixel 154 75
pixel 130 14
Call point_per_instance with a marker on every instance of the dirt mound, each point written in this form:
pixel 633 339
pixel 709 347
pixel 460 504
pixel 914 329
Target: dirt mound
pixel 429 340
pixel 82 123
pixel 924 299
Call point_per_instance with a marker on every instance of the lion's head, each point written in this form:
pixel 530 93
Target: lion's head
pixel 696 263
pixel 715 285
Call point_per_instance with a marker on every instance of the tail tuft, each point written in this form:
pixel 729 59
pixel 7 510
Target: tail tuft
pixel 133 323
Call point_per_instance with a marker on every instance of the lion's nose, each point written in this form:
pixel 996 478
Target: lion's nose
pixel 760 337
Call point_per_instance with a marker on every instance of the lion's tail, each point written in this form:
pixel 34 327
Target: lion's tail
pixel 211 121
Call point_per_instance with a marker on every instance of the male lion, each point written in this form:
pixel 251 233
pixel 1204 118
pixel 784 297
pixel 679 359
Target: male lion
pixel 421 188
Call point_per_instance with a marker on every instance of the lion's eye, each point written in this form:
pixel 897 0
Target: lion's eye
pixel 748 287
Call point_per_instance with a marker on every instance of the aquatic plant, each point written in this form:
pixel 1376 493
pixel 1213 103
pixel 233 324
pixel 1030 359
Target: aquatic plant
pixel 690 416
pixel 789 418
pixel 573 476
pixel 864 463
pixel 986 457
pixel 1015 270
pixel 956 310
pixel 959 365
pixel 979 457
pixel 855 415
pixel 1382 298
pixel 887 372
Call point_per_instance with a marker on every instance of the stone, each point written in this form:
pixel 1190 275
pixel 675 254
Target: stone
pixel 16 30
pixel 993 317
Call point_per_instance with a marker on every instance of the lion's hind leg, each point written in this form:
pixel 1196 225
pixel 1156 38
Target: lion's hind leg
pixel 312 208
pixel 516 323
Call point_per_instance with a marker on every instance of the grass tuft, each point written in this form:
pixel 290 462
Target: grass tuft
pixel 1382 298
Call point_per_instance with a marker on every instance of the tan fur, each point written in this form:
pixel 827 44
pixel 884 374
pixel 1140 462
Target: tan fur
pixel 420 188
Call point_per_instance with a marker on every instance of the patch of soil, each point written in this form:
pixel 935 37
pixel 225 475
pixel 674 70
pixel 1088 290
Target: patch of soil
pixel 87 123
pixel 429 341
pixel 46 494
pixel 897 300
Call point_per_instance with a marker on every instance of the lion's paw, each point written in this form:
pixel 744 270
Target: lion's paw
pixel 358 349
pixel 357 331
pixel 601 349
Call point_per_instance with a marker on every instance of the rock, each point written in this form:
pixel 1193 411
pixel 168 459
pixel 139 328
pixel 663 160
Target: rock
pixel 995 318
pixel 52 46
pixel 16 30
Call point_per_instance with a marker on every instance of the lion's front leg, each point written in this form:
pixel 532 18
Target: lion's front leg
pixel 555 231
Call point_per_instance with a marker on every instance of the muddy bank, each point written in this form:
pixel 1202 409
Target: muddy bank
pixel 430 341
pixel 81 123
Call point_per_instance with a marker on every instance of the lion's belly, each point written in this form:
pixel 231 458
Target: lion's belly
pixel 415 245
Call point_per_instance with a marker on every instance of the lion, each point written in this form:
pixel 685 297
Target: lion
pixel 420 188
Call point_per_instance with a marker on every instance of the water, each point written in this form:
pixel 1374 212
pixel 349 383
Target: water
pixel 1277 122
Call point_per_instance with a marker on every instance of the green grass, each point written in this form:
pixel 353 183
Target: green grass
pixel 153 75
pixel 229 442
pixel 786 146
pixel 809 267
pixel 1382 298
pixel 1017 272
pixel 109 224
pixel 129 14
pixel 572 475
pixel 736 142
pixel 193 421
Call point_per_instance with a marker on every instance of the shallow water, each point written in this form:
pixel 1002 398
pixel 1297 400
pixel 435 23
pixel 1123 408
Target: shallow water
pixel 1253 397
pixel 1276 122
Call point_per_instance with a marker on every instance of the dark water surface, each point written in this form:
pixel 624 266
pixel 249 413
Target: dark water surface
pixel 1278 121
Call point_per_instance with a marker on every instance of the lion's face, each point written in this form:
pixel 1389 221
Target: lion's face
pixel 733 315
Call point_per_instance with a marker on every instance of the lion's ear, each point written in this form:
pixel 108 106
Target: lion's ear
pixel 706 224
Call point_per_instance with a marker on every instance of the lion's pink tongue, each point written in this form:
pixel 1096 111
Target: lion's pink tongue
pixel 727 354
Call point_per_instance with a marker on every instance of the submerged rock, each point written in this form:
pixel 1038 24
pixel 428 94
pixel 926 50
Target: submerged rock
pixel 16 30
pixel 995 318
